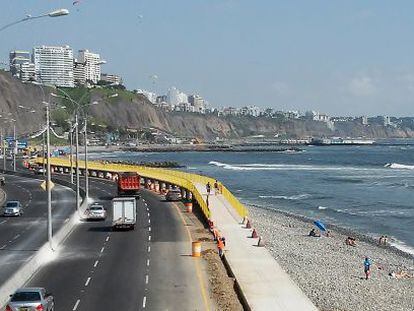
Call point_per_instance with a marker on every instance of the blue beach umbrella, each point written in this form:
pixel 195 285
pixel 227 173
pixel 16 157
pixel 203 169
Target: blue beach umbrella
pixel 320 225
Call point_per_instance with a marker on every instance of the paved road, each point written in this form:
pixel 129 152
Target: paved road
pixel 148 268
pixel 21 237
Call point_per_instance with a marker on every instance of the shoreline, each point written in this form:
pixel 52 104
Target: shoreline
pixel 330 272
pixel 341 229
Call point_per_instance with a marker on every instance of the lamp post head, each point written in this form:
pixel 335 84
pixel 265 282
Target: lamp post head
pixel 57 13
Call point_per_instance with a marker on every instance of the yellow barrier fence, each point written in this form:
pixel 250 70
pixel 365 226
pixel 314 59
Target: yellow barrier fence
pixel 179 178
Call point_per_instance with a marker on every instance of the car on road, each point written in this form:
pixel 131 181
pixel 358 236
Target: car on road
pixel 13 208
pixel 173 195
pixel 96 211
pixel 31 299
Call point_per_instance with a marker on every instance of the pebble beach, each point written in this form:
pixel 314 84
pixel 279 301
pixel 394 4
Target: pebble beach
pixel 330 272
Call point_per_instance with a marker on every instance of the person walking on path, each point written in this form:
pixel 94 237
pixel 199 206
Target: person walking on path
pixel 208 188
pixel 367 267
pixel 220 246
pixel 216 187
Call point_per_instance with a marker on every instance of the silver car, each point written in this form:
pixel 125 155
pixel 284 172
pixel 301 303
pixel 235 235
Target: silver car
pixel 96 212
pixel 173 195
pixel 31 299
pixel 13 208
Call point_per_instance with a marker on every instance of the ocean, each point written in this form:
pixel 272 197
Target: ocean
pixel 365 188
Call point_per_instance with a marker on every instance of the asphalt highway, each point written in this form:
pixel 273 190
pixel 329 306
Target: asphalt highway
pixel 21 237
pixel 149 268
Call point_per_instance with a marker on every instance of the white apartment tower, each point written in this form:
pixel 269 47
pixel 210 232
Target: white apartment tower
pixel 92 63
pixel 54 65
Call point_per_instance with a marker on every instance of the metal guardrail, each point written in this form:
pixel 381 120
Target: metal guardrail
pixel 179 178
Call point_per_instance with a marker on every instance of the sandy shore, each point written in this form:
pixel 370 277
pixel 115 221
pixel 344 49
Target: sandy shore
pixel 330 272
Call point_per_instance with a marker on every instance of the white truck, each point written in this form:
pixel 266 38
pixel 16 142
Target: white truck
pixel 124 213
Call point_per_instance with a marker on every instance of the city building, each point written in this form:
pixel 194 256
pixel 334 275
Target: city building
pixel 79 73
pixel 27 72
pixel 364 120
pixel 198 103
pixel 111 78
pixel 92 63
pixel 54 65
pixel 151 96
pixel 387 121
pixel 16 60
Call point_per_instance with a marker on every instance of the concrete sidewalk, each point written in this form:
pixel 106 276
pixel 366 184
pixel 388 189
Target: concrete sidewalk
pixel 265 285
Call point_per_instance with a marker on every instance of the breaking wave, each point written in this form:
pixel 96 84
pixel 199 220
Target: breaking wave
pixel 285 197
pixel 399 166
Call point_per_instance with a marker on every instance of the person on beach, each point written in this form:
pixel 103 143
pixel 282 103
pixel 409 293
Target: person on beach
pixel 314 234
pixel 381 240
pixel 367 267
pixel 350 241
pixel 208 188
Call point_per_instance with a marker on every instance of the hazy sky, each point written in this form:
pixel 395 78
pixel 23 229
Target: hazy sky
pixel 340 57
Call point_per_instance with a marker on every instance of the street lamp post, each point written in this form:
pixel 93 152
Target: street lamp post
pixel 86 159
pixel 71 152
pixel 77 162
pixel 15 149
pixel 48 180
pixel 56 13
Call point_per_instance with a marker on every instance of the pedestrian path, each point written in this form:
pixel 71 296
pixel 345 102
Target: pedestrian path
pixel 265 285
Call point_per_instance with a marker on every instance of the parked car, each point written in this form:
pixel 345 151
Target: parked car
pixel 13 208
pixel 173 195
pixel 96 212
pixel 31 299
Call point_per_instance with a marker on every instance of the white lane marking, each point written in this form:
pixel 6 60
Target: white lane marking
pixel 96 264
pixel 76 305
pixel 102 249
pixel 146 204
pixel 149 221
pixel 144 301
pixel 16 237
pixel 149 238
pixel 148 262
pixel 3 247
pixel 149 229
pixel 149 249
pixel 3 222
pixel 146 279
pixel 87 281
pixel 107 239
pixel 148 214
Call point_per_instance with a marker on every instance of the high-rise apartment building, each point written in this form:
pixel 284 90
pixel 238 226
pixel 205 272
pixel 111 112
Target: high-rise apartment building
pixel 111 78
pixel 54 65
pixel 92 63
pixel 16 60
pixel 79 72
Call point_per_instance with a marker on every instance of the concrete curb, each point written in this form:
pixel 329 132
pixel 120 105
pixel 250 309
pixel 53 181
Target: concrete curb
pixel 3 197
pixel 43 255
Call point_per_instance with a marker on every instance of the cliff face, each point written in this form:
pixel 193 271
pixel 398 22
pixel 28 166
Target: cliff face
pixel 135 111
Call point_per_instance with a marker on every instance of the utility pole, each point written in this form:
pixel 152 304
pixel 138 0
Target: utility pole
pixel 77 162
pixel 48 181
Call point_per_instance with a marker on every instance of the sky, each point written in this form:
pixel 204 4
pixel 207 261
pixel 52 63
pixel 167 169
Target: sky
pixel 338 57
